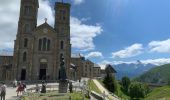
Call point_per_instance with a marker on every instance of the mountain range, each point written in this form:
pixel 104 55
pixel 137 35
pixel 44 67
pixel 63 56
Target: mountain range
pixel 132 70
pixel 157 75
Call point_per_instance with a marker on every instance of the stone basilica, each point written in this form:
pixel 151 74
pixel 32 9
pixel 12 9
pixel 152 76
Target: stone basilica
pixel 38 49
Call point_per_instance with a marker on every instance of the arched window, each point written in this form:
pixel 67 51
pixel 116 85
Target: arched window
pixel 61 45
pixel 44 44
pixel 48 45
pixel 40 45
pixel 25 42
pixel 24 56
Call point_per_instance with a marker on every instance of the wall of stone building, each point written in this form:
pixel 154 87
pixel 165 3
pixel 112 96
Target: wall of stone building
pixel 79 65
pixel 6 68
pixel 96 72
pixel 88 69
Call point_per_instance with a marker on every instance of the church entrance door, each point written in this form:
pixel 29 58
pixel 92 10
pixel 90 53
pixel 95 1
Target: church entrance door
pixel 43 71
pixel 23 74
pixel 42 75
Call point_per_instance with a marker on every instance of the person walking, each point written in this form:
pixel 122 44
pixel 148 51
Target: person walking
pixel 14 83
pixel 3 91
pixel 20 89
pixel 37 88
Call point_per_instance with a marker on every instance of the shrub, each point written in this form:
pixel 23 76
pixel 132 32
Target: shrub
pixel 110 83
pixel 138 90
pixel 125 83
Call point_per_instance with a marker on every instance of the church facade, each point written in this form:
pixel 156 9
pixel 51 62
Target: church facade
pixel 38 49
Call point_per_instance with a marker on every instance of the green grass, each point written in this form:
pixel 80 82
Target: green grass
pixel 53 96
pixel 93 86
pixel 162 93
pixel 119 92
pixel 155 75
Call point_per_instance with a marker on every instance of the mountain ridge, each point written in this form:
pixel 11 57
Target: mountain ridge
pixel 132 70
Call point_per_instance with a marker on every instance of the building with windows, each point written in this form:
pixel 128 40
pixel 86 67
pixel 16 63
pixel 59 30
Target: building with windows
pixel 88 69
pixel 109 69
pixel 5 67
pixel 38 49
pixel 78 60
pixel 96 70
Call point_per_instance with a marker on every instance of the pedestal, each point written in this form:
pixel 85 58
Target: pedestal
pixel 63 86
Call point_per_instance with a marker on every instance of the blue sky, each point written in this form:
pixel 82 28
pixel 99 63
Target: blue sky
pixel 110 31
pixel 127 22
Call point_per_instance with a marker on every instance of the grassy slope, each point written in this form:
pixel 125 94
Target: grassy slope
pixel 161 72
pixel 162 93
pixel 119 92
pixel 122 94
pixel 93 86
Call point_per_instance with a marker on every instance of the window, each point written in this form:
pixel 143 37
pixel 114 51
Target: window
pixel 61 45
pixel 24 56
pixel 62 14
pixel 28 10
pixel 40 45
pixel 25 42
pixel 27 28
pixel 48 45
pixel 44 44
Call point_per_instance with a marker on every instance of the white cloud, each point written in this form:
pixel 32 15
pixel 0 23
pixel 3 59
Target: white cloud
pixel 82 35
pixel 94 55
pixel 160 46
pixel 104 63
pixel 130 51
pixel 45 11
pixel 77 2
pixel 6 52
pixel 9 10
pixel 160 61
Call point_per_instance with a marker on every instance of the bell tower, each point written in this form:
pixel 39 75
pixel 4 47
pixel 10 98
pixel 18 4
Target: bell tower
pixel 23 43
pixel 28 16
pixel 62 27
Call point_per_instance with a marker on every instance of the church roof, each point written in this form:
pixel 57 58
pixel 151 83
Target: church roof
pixel 109 68
pixel 44 25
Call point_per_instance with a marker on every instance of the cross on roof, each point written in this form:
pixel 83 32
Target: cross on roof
pixel 45 20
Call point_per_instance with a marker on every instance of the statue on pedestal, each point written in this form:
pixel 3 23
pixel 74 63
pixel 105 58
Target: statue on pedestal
pixel 63 82
pixel 62 71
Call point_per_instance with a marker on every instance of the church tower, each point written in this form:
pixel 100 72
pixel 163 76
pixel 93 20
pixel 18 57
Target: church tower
pixel 62 27
pixel 22 49
pixel 38 49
